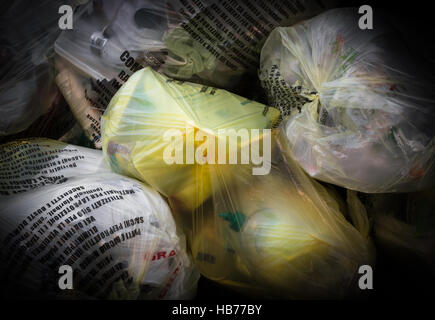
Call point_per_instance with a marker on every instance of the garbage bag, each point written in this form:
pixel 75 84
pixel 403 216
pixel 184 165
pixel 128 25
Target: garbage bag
pixel 357 109
pixel 62 206
pixel 151 113
pixel 27 88
pixel 215 43
pixel 280 235
pixel 404 225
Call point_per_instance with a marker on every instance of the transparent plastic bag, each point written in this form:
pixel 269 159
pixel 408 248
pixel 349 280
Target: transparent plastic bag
pixel 357 107
pixel 210 42
pixel 149 108
pixel 61 205
pixel 280 235
pixel 27 88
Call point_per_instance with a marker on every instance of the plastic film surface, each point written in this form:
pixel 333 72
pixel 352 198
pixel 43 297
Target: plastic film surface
pixel 355 115
pixel 61 205
pixel 152 115
pixel 280 235
pixel 215 43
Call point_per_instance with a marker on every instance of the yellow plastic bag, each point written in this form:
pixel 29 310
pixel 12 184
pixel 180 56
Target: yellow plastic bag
pixel 149 107
pixel 280 235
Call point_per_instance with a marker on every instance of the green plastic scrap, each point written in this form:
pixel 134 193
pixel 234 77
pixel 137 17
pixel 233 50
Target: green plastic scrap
pixel 236 219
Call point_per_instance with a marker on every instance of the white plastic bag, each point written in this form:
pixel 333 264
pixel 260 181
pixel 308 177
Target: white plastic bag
pixel 60 205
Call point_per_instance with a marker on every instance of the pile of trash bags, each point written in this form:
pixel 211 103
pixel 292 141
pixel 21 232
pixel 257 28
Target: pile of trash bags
pixel 216 43
pixel 242 227
pixel 262 145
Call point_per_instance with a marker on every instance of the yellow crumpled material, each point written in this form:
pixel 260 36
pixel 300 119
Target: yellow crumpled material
pixel 147 106
pixel 281 235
